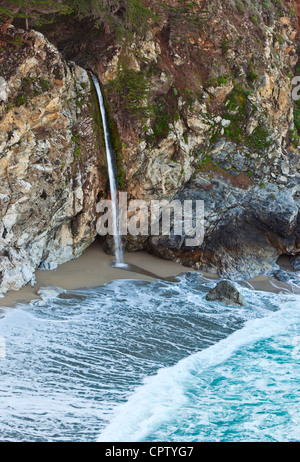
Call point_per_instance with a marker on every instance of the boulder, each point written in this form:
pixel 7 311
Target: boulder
pixel 225 292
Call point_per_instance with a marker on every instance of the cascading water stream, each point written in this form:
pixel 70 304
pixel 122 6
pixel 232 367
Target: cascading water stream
pixel 111 173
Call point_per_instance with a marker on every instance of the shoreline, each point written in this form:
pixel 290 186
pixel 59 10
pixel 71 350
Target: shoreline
pixel 94 268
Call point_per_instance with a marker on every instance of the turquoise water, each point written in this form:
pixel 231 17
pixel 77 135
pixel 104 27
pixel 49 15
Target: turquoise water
pixel 135 361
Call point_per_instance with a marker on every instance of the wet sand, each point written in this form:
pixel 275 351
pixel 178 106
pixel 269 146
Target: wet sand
pixel 268 284
pixel 94 268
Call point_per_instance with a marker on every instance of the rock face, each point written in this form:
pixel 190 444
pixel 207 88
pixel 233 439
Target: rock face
pixel 50 159
pixel 214 121
pixel 226 293
pixel 200 108
pixel 245 230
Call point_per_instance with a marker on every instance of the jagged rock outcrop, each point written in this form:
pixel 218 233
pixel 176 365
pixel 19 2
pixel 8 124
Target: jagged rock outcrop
pixel 50 159
pixel 245 230
pixel 225 292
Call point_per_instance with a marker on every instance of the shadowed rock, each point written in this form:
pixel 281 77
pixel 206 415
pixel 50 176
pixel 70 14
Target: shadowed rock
pixel 226 293
pixel 295 263
pixel 245 230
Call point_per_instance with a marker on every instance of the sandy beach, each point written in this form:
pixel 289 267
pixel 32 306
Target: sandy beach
pixel 94 268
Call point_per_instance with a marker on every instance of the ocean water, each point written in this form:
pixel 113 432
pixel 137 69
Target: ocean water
pixel 136 361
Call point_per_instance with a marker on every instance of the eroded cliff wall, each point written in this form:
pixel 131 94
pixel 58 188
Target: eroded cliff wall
pixel 204 110
pixel 51 158
pixel 200 106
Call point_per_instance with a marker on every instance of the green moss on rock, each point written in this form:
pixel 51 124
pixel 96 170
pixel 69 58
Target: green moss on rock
pixel 260 140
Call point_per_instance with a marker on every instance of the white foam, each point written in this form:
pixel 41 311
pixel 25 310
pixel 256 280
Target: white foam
pixel 120 265
pixel 46 294
pixel 161 395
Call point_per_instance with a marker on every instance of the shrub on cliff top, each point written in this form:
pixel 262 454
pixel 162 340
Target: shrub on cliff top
pixel 11 9
pixel 122 17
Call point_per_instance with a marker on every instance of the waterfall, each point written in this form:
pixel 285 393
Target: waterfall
pixel 112 177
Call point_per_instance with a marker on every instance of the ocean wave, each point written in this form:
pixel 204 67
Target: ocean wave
pixel 161 397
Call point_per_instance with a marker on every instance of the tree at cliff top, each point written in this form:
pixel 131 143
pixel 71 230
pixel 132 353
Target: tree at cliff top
pixel 11 9
pixel 122 17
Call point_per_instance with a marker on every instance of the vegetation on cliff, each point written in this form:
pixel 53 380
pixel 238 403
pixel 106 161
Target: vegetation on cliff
pixel 121 17
pixel 27 9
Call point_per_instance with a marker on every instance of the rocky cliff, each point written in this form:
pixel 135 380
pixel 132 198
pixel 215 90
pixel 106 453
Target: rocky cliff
pixel 51 163
pixel 200 106
pixel 204 110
